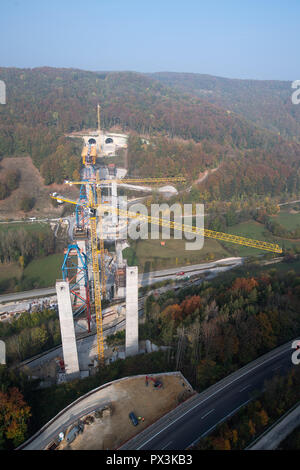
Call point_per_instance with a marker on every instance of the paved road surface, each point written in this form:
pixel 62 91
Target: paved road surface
pixel 29 294
pixel 144 279
pixel 171 273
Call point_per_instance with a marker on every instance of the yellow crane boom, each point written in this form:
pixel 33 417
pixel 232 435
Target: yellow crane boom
pixel 227 237
pixel 176 179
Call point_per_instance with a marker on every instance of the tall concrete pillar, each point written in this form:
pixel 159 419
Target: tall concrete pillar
pixel 67 329
pixel 2 352
pixel 132 319
pixel 119 248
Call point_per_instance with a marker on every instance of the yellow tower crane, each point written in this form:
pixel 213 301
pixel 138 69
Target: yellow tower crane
pixel 102 260
pixel 98 285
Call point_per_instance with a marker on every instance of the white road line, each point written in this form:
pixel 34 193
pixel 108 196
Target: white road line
pixel 217 391
pixel 202 417
pixel 247 386
pixel 166 445
pixel 215 425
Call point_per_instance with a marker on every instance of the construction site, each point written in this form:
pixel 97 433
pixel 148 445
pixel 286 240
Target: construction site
pixel 93 269
pixel 107 425
pixel 98 295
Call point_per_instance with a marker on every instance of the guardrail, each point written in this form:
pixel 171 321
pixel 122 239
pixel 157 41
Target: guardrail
pixel 258 438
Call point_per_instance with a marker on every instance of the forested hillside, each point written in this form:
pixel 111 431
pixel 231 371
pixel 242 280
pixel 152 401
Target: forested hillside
pixel 236 173
pixel 45 104
pixel 65 100
pixel 265 102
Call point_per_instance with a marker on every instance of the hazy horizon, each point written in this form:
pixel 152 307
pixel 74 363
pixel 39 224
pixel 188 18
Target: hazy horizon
pixel 251 40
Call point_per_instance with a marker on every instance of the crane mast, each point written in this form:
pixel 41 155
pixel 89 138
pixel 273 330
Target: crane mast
pixel 98 115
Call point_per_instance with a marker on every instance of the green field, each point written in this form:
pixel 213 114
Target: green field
pixel 46 270
pixel 43 272
pixel 28 226
pixel 257 231
pixel 289 220
pixel 250 229
pixel 152 256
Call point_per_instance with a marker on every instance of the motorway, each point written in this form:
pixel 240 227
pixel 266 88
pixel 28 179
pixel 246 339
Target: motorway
pixel 213 405
pixel 29 294
pixel 171 273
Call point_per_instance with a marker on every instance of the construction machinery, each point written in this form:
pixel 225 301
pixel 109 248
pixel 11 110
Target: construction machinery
pixel 157 384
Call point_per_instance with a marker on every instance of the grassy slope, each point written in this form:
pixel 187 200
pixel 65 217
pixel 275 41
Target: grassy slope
pixel 28 226
pixel 288 220
pixel 152 256
pixel 46 270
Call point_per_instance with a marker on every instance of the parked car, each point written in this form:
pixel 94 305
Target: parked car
pixel 133 419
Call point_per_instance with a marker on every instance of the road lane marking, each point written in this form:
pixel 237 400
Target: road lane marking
pixel 166 445
pixel 202 417
pixel 247 386
pixel 215 425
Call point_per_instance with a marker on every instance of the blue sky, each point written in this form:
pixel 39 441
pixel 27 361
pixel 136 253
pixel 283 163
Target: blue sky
pixel 232 38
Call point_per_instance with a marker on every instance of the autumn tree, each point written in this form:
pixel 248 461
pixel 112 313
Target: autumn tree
pixel 27 203
pixel 14 415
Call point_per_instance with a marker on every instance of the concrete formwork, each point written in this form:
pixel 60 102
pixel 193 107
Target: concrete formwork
pixel 80 279
pixel 67 329
pixel 114 201
pixel 132 332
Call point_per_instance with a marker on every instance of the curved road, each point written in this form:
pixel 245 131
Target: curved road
pixel 144 278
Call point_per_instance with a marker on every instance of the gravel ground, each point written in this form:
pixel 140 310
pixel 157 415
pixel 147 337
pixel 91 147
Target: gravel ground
pixel 115 427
